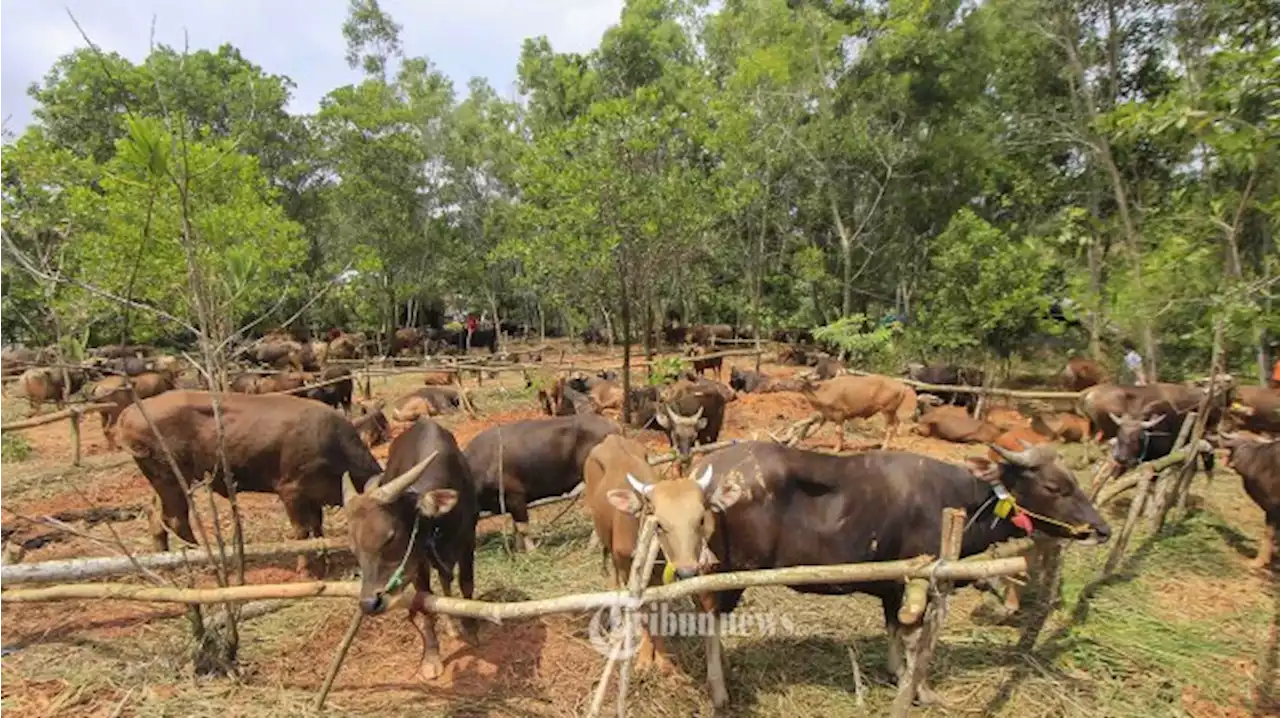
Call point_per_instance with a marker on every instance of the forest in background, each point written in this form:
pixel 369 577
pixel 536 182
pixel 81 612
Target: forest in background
pixel 961 167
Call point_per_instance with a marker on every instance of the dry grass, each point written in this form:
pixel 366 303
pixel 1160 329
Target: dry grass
pixel 1183 629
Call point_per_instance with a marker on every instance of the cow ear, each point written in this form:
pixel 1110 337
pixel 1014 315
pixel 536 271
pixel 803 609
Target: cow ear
pixel 663 420
pixel 726 495
pixel 983 468
pixel 702 423
pixel 437 502
pixel 626 501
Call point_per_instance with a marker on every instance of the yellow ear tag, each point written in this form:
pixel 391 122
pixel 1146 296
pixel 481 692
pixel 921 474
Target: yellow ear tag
pixel 1003 507
pixel 669 573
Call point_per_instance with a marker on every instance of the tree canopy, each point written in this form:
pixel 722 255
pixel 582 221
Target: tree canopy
pixel 954 169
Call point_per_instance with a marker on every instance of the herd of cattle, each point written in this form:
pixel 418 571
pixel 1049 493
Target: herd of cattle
pixel 750 505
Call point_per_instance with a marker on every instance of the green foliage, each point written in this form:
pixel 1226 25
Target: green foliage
pixel 664 370
pixel 14 447
pixel 987 287
pixel 861 342
pixel 133 241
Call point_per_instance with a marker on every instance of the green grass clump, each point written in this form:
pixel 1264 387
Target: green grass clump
pixel 13 447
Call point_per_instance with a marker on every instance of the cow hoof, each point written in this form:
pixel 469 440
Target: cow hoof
pixel 431 669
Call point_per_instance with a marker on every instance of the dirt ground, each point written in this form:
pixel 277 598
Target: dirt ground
pixel 1184 628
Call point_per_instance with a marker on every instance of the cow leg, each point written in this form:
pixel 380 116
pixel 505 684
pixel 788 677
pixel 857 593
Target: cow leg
pixel 430 667
pixel 446 589
pixel 173 516
pixel 890 425
pixel 519 511
pixel 841 428
pixel 467 584
pixel 715 664
pixel 307 519
pixel 894 631
pixel 1265 546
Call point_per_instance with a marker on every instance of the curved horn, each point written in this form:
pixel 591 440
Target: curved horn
pixel 1153 421
pixel 640 488
pixel 348 488
pixel 1021 458
pixel 1115 418
pixel 392 489
pixel 704 481
pixel 697 414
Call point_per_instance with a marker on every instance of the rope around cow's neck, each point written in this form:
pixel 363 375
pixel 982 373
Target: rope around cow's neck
pixel 397 579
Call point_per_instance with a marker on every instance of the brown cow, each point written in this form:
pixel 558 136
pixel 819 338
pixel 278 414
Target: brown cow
pixel 620 485
pixel 427 401
pixel 804 508
pixel 861 397
pixel 408 340
pixel 1081 373
pixel 115 390
pixel 692 415
pixel 45 384
pixel 372 425
pixel 747 381
pixel 701 365
pixel 424 518
pixel 1256 409
pixel 1101 404
pixel 532 459
pixel 277 354
pixel 953 423
pixel 709 334
pixel 1258 464
pixel 344 346
pixel 438 378
pixel 1006 418
pixel 1061 426
pixel 292 447
pixel 335 388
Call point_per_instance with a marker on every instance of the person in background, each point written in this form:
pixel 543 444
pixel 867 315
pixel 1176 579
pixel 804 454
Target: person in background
pixel 1133 362
pixel 471 329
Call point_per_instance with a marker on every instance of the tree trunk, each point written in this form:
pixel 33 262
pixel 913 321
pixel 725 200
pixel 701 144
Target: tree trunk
pixel 648 328
pixel 846 260
pixel 497 321
pixel 626 339
pixel 542 322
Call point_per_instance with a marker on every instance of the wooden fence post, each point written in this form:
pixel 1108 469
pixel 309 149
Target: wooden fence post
pixel 74 418
pixel 920 642
pixel 1145 482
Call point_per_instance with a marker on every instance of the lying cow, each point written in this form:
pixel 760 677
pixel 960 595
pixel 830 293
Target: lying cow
pixel 427 401
pixel 1258 464
pixel 861 397
pixel 564 400
pixel 747 381
pixel 531 460
pixel 116 390
pixel 620 487
pixel 801 508
pixel 949 375
pixel 1081 373
pixel 953 423
pixel 292 447
pixel 424 518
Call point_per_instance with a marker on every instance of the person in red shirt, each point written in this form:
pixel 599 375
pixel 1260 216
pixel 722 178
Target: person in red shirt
pixel 472 323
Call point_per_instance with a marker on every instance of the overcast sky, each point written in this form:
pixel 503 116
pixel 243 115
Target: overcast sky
pixel 298 38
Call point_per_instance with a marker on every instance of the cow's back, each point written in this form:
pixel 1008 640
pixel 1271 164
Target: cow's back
pixel 448 470
pixel 267 440
pixel 546 455
pixel 874 506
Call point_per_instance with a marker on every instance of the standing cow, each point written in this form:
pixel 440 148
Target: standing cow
pixel 292 447
pixel 424 518
pixel 620 487
pixel 533 459
pixel 803 508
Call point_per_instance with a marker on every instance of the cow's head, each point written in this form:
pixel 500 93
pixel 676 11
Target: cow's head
pixel 682 431
pixel 380 534
pixel 1042 485
pixel 684 510
pixel 1133 434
